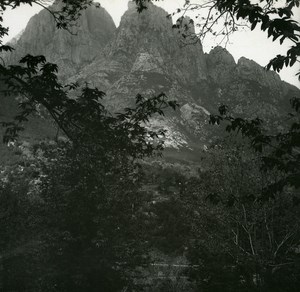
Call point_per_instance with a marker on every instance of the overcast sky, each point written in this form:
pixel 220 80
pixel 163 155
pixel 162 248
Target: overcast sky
pixel 253 45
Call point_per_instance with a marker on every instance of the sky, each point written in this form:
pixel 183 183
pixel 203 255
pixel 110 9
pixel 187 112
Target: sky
pixel 251 44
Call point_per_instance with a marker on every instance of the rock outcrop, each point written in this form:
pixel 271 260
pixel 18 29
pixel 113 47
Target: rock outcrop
pixel 221 65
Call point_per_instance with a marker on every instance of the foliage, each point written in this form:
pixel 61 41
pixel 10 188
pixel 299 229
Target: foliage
pixel 280 150
pixel 237 242
pixel 81 118
pixel 76 221
pixel 74 203
pixel 86 185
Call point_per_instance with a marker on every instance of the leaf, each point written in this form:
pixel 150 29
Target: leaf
pixel 6 48
pixel 293 61
pixel 253 25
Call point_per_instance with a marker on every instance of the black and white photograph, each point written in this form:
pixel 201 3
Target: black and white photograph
pixel 149 145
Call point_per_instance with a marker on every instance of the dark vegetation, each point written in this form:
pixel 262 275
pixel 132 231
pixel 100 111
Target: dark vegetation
pixel 84 212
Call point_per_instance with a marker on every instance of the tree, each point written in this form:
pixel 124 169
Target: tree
pixel 276 153
pixel 279 150
pixel 238 242
pixel 86 189
pixel 77 220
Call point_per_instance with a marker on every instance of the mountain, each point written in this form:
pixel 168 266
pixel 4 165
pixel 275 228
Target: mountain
pixel 146 55
pixel 70 49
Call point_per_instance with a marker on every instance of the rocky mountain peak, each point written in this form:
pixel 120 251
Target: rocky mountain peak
pixel 219 55
pixel 250 70
pixel 188 25
pixel 70 49
pixel 149 34
pixel 220 64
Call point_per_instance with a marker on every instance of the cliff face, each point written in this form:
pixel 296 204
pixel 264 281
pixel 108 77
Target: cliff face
pixel 145 55
pixel 247 87
pixel 70 50
pixel 146 45
pixel 221 66
pixel 149 37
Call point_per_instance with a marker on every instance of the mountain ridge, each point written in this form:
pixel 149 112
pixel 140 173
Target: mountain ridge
pixel 145 55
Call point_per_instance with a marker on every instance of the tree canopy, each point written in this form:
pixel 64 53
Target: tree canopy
pixel 76 196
